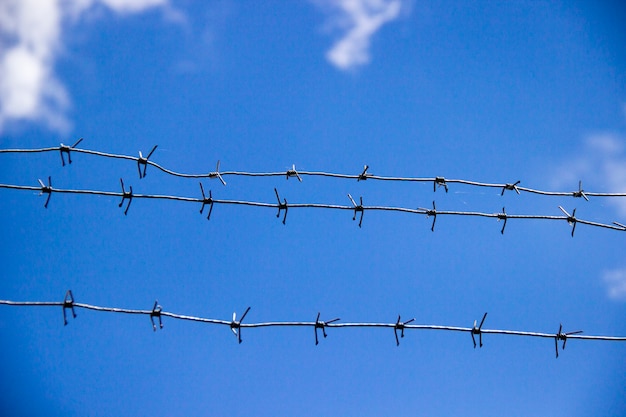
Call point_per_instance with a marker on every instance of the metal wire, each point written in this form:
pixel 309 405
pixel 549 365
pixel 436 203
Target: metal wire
pixel 364 175
pixel 356 208
pixel 236 325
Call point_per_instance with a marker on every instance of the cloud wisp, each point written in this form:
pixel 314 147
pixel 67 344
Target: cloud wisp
pixel 616 282
pixel 602 162
pixel 30 42
pixel 360 20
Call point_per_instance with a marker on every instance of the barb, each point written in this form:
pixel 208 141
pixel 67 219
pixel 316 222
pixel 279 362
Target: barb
pixel 156 312
pixel 144 161
pixel 563 336
pixel 322 325
pixel 46 190
pixel 400 326
pixel 280 206
pixel 293 173
pixel 66 149
pixel 437 181
pixel 236 325
pixel 479 331
pixel 125 195
pixel 206 201
pixel 68 302
pixel 429 213
pixel 357 208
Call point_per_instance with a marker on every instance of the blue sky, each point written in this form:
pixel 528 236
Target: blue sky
pixel 489 91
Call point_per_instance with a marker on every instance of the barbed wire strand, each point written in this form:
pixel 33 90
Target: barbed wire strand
pixel 356 208
pixel 364 175
pixel 235 325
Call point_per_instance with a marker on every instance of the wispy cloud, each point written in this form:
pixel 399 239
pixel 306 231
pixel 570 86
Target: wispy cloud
pixel 359 20
pixel 30 40
pixel 601 163
pixel 616 283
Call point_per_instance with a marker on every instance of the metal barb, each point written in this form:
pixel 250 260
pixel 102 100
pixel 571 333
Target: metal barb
pixel 156 312
pixel 281 206
pixel 357 208
pixel 620 225
pixel 68 302
pixel 363 175
pixel 144 161
pixel 441 182
pixel 66 149
pixel 217 174
pixel 512 187
pixel 126 195
pixel 502 216
pixel 571 218
pixel 400 326
pixel 206 201
pixel 235 326
pixel 293 173
pixel 322 325
pixel 580 192
pixel 562 336
pixel 46 189
pixel 478 331
pixel 428 213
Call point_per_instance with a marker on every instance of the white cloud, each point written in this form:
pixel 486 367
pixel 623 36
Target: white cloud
pixel 616 283
pixel 360 19
pixel 602 163
pixel 30 41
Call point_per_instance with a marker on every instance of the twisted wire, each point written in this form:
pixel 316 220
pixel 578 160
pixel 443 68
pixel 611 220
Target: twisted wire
pixel 356 208
pixel 364 175
pixel 236 326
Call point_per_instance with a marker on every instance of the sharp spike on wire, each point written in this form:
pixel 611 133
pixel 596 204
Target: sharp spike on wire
pixel 156 312
pixel 46 189
pixel 363 175
pixel 293 173
pixel 620 225
pixel 400 326
pixel 571 219
pixel 126 195
pixel 357 208
pixel 562 336
pixel 66 149
pixel 478 331
pixel 144 161
pixel 441 182
pixel 510 187
pixel 206 201
pixel 428 213
pixel 322 325
pixel 235 326
pixel 580 192
pixel 502 216
pixel 217 174
pixel 281 206
pixel 68 302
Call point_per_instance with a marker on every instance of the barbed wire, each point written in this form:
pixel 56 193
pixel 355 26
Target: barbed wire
pixel 157 313
pixel 143 162
pixel 359 208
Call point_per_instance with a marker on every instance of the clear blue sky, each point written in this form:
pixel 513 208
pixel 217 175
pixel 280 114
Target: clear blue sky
pixel 486 91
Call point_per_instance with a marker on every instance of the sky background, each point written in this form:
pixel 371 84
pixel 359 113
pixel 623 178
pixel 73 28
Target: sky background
pixel 485 91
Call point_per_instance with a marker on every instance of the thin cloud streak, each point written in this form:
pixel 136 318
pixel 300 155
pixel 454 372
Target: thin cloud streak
pixel 615 281
pixel 30 41
pixel 602 162
pixel 360 19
